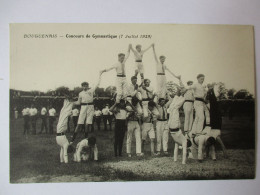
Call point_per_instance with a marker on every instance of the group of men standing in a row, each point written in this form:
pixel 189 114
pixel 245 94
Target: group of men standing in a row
pixel 30 116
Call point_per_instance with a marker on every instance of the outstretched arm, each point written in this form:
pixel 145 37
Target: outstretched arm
pixel 128 53
pixel 177 77
pixel 99 80
pixel 154 53
pixel 147 48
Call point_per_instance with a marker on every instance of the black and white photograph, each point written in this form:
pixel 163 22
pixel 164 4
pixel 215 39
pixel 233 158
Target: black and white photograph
pixel 131 102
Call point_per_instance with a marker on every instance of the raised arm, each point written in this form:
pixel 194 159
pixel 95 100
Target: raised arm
pixel 154 53
pixel 147 48
pixel 128 53
pixel 99 80
pixel 177 77
pixel 112 108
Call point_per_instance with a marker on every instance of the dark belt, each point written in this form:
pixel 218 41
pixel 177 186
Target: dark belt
pixel 160 73
pixel 133 120
pixel 85 104
pixel 161 119
pixel 189 101
pixel 129 96
pixel 138 60
pixel 121 75
pixel 60 134
pixel 199 99
pixel 207 125
pixel 174 130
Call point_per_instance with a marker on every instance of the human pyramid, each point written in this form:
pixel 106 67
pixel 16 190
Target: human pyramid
pixel 139 110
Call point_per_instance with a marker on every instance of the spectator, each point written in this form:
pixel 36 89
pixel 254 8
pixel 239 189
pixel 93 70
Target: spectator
pixel 44 120
pixel 33 117
pixel 75 116
pixel 26 117
pixel 97 118
pixel 52 114
pixel 105 113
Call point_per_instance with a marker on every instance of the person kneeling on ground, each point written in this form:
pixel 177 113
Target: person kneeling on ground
pixel 84 150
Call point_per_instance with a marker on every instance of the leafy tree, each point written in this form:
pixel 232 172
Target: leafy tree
pixel 243 94
pixel 231 93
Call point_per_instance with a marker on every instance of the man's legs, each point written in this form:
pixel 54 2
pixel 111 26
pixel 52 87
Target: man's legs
pixel 116 137
pixel 119 88
pixel 199 117
pixel 130 128
pixel 105 118
pixel 187 107
pixel 121 137
pixel 165 137
pixel 159 132
pixel 219 140
pixel 138 138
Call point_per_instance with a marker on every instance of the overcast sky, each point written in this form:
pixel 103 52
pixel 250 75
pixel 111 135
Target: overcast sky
pixel 221 52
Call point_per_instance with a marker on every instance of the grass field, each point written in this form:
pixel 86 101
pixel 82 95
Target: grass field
pixel 36 159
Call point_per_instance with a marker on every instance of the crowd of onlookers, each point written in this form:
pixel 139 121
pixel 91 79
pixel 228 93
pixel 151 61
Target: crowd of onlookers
pixel 47 116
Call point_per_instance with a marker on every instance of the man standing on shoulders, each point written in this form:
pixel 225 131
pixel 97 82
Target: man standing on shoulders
pixel 86 98
pixel 188 108
pixel 200 92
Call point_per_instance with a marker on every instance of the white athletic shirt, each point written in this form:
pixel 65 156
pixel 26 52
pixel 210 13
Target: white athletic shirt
pixel 33 111
pixel 131 90
pixel 75 112
pixel 138 55
pixel 199 90
pixel 174 118
pixel 26 111
pixel 122 114
pixel 43 111
pixel 97 113
pixel 189 95
pixel 145 93
pixel 105 111
pixel 84 143
pixel 87 96
pixel 120 67
pixel 64 114
pixel 52 112
pixel 160 68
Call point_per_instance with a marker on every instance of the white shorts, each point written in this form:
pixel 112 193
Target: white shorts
pixel 86 113
pixel 62 140
pixel 211 132
pixel 140 67
pixel 147 129
pixel 215 133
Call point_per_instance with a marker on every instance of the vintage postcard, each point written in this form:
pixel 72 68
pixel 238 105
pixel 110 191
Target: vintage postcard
pixel 131 102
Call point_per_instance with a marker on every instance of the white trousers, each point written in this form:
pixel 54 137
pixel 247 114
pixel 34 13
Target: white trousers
pixel 162 135
pixel 198 148
pixel 199 117
pixel 207 115
pixel 121 88
pixel 133 127
pixel 63 142
pixel 161 86
pixel 188 112
pixel 181 140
